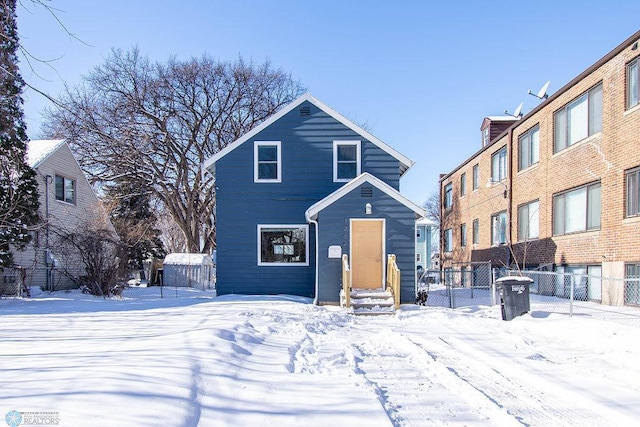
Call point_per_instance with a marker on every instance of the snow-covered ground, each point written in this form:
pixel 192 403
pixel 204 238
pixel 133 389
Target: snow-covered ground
pixel 281 361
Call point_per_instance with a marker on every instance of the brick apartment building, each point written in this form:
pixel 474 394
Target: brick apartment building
pixel 559 188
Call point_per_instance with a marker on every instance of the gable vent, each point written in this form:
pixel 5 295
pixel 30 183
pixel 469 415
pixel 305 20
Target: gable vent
pixel 366 191
pixel 305 111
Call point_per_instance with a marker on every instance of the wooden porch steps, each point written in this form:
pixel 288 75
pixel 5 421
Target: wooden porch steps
pixel 372 302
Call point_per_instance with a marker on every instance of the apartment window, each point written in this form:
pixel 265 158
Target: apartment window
pixel 65 189
pixel 463 235
pixel 633 192
pixel 448 196
pixel 283 244
pixel 632 284
pixel 418 257
pixel 475 231
pixel 268 163
pixel 476 177
pixel 463 184
pixel 529 221
pixel 499 228
pixel 529 148
pixel 499 165
pixel 448 240
pixel 418 233
pixel 485 136
pixel 633 83
pixel 346 160
pixel 577 210
pixel 578 119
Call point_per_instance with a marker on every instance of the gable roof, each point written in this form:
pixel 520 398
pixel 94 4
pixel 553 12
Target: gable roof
pixel 405 162
pixel 40 149
pixel 314 210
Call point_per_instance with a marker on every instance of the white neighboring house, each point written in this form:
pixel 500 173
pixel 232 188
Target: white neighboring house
pixel 68 200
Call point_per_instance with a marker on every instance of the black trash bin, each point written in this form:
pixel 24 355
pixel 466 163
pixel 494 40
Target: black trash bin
pixel 514 296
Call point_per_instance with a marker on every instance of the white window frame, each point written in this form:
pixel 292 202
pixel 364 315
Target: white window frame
pixel 256 162
pixel 418 233
pixel 262 227
pixel 633 83
pixel 499 228
pixel 586 110
pixel 529 148
pixel 529 221
pixel 476 176
pixel 65 189
pixel 418 257
pixel 632 193
pixel 336 145
pixel 567 215
pixel 499 165
pixel 475 231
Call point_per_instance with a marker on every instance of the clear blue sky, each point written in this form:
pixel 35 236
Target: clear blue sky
pixel 420 74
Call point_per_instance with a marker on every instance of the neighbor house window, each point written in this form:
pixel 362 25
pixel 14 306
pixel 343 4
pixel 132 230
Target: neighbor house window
pixel 633 192
pixel 475 231
pixel 633 83
pixel 528 148
pixel 485 136
pixel 418 233
pixel 65 189
pixel 463 235
pixel 268 161
pixel 463 184
pixel 577 210
pixel 448 196
pixel 529 221
pixel 499 228
pixel 448 240
pixel 283 244
pixel 346 160
pixel 499 165
pixel 578 119
pixel 418 257
pixel 476 177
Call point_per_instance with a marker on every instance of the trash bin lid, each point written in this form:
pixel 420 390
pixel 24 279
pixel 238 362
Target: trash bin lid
pixel 522 279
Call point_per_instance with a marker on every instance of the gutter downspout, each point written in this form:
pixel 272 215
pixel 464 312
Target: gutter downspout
pixel 510 200
pixel 315 226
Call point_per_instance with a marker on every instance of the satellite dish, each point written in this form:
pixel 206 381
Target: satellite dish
pixel 542 93
pixel 517 113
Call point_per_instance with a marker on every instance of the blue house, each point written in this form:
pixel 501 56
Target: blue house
pixel 299 191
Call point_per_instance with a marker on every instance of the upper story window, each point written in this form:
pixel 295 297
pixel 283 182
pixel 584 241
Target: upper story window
pixel 499 165
pixel 283 244
pixel 633 192
pixel 485 136
pixel 65 189
pixel 633 83
pixel 476 177
pixel 579 119
pixel 463 235
pixel 529 221
pixel 448 240
pixel 529 148
pixel 418 233
pixel 577 210
pixel 267 161
pixel 499 228
pixel 463 184
pixel 448 196
pixel 475 231
pixel 346 160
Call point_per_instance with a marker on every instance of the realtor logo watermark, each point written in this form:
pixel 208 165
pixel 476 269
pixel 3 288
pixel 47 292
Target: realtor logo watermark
pixel 32 418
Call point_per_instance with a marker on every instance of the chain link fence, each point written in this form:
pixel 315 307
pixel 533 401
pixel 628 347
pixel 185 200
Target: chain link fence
pixel 572 294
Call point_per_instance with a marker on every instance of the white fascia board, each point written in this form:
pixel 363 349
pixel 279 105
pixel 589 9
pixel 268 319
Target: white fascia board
pixel 312 212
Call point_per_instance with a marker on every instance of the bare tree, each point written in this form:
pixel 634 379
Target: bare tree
pixel 160 121
pixel 432 206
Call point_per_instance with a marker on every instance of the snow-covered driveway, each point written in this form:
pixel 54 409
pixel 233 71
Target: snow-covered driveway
pixel 283 362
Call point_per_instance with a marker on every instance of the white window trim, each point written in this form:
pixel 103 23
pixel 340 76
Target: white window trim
pixel 258 144
pixel 336 144
pixel 283 264
pixel 64 188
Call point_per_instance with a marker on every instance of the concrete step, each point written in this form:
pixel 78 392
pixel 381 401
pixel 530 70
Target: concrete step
pixel 372 302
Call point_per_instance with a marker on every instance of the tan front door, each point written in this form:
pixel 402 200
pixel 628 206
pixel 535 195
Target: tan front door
pixel 367 253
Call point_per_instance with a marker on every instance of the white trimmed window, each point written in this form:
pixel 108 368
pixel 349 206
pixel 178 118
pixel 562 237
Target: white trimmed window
pixel 633 192
pixel 65 189
pixel 577 210
pixel 529 148
pixel 499 228
pixel 529 221
pixel 476 231
pixel 476 177
pixel 499 165
pixel 283 245
pixel 346 160
pixel 633 83
pixel 267 161
pixel 578 120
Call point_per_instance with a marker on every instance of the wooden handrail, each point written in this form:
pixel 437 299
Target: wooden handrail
pixel 393 279
pixel 346 279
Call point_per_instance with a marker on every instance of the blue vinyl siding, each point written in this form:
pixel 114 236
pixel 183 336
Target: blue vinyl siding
pixel 307 177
